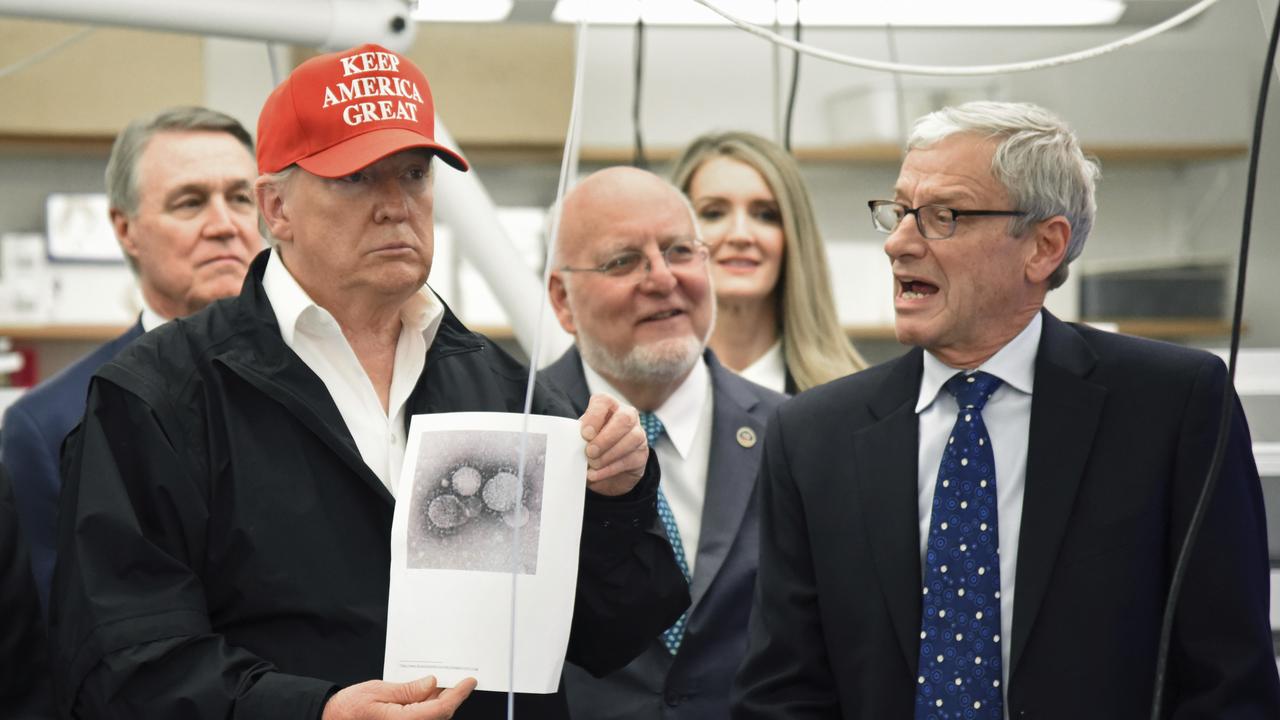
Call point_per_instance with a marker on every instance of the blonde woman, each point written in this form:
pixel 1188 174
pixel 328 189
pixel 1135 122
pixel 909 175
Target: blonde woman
pixel 776 320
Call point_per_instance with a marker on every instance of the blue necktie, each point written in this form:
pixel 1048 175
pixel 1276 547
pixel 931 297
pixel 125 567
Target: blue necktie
pixel 672 636
pixel 959 670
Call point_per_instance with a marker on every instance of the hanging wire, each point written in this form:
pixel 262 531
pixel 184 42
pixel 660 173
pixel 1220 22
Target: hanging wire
pixel 275 67
pixel 1262 17
pixel 795 83
pixel 1228 392
pixel 899 92
pixel 963 70
pixel 44 54
pixel 776 58
pixel 568 171
pixel 638 159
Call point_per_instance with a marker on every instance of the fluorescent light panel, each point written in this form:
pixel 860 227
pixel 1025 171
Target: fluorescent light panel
pixel 913 13
pixel 463 10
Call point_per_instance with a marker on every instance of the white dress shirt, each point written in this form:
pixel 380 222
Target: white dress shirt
pixel 1007 416
pixel 769 370
pixel 313 333
pixel 150 318
pixel 684 450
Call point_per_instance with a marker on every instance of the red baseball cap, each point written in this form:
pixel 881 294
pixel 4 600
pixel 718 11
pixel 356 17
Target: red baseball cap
pixel 344 111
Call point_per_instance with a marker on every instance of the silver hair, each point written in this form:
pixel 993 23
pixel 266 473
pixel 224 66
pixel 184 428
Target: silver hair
pixel 280 180
pixel 122 166
pixel 1038 161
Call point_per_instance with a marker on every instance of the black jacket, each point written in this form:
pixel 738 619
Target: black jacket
pixel 224 551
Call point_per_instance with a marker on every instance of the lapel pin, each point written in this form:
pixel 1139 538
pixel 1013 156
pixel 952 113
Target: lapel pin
pixel 746 437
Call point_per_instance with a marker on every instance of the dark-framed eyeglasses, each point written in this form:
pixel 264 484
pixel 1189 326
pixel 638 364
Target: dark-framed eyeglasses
pixel 635 265
pixel 934 222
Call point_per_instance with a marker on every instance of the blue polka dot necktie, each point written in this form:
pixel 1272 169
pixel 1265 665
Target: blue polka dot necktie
pixel 960 661
pixel 672 636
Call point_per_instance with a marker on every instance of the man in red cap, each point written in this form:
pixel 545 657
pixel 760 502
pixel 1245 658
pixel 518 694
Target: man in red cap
pixel 229 497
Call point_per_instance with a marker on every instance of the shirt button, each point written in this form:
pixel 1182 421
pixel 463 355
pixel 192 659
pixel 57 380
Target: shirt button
pixel 671 698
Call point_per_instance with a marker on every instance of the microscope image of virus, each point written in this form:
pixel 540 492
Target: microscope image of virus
pixel 469 507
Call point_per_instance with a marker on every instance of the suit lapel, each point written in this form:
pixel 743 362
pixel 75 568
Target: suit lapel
pixel 567 375
pixel 1065 410
pixel 731 475
pixel 885 455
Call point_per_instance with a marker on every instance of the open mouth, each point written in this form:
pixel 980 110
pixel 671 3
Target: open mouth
pixel 916 289
pixel 745 263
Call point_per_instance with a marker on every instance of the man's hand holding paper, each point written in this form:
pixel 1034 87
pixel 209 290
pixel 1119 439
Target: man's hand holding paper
pixel 616 447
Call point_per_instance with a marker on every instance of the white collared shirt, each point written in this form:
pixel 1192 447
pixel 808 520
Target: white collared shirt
pixel 684 450
pixel 769 370
pixel 313 333
pixel 150 318
pixel 1007 416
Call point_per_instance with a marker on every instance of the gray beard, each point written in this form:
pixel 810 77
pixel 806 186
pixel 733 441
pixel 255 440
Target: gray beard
pixel 659 362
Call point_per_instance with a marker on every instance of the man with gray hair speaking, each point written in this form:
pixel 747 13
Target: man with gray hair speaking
pixel 632 285
pixel 986 526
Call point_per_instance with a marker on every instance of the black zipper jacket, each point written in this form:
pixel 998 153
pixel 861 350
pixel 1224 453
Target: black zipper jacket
pixel 224 551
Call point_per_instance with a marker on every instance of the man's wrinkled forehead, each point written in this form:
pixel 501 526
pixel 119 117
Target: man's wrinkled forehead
pixel 956 169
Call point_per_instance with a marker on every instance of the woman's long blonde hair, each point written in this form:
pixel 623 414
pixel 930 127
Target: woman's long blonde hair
pixel 813 343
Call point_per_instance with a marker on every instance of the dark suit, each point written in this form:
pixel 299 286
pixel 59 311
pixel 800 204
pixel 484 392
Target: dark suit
pixel 1121 434
pixel 694 683
pixel 25 690
pixel 34 428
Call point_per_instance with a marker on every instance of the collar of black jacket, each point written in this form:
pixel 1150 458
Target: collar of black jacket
pixel 452 336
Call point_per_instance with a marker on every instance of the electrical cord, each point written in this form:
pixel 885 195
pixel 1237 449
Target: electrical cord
pixel 38 56
pixel 963 70
pixel 568 171
pixel 638 159
pixel 1228 394
pixel 795 83
pixel 275 67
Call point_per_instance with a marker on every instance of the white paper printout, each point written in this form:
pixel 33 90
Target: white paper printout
pixel 462 525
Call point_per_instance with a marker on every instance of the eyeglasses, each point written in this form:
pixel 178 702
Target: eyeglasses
pixel 629 263
pixel 934 222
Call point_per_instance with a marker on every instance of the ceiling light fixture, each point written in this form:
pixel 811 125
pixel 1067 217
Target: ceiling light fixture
pixel 463 11
pixel 906 13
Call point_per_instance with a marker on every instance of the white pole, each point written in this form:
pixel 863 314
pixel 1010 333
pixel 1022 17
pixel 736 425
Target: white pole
pixel 463 203
pixel 326 24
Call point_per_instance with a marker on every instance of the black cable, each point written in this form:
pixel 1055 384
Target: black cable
pixel 638 159
pixel 795 83
pixel 1228 394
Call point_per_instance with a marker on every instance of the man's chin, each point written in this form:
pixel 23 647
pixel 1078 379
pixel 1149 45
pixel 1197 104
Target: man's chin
pixel 656 362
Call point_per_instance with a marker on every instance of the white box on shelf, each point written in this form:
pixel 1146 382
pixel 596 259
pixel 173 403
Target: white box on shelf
pixel 79 229
pixel 93 295
pixel 26 288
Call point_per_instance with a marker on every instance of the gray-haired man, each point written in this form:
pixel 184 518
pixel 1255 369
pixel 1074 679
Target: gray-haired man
pixel 986 526
pixel 180 189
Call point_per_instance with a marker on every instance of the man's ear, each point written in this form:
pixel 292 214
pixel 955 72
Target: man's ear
pixel 560 302
pixel 274 213
pixel 122 225
pixel 1050 238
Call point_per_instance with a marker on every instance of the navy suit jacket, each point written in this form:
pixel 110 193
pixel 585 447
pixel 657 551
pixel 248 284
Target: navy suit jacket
pixel 695 683
pixel 30 445
pixel 1122 430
